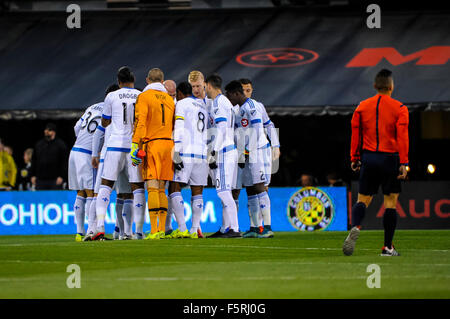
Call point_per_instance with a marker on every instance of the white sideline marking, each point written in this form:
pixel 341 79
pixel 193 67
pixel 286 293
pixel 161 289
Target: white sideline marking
pixel 234 246
pixel 218 262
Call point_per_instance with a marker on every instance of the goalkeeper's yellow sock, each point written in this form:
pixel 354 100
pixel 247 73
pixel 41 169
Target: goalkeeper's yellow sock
pixel 163 204
pixel 153 208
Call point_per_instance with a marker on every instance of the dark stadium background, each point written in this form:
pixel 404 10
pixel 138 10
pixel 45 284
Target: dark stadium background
pixel 314 144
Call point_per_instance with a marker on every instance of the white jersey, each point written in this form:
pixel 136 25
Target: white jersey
pixel 222 120
pixel 249 131
pixel 119 108
pixel 190 133
pixel 86 127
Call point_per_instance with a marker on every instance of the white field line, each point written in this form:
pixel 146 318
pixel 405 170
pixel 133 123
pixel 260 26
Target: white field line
pixel 238 246
pixel 216 262
pixel 249 278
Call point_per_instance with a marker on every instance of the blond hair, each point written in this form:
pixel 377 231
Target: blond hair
pixel 195 76
pixel 155 75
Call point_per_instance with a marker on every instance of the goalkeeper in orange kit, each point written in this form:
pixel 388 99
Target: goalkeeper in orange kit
pixel 152 146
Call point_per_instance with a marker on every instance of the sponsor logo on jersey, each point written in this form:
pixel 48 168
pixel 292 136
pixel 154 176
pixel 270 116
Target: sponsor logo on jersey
pixel 244 122
pixel 310 209
pixel 276 57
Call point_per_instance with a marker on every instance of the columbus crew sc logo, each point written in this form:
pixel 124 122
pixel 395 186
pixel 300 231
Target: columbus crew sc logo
pixel 277 57
pixel 310 209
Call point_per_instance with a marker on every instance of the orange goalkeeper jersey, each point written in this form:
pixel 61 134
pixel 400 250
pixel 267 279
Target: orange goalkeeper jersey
pixel 154 114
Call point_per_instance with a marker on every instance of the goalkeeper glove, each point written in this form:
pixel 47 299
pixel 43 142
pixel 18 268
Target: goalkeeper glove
pixel 177 161
pixel 136 154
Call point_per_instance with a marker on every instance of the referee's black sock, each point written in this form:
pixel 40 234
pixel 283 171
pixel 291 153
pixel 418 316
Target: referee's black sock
pixel 389 223
pixel 358 212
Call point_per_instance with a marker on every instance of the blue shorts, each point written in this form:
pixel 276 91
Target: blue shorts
pixel 377 169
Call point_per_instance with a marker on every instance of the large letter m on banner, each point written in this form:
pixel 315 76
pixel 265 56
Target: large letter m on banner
pixel 436 55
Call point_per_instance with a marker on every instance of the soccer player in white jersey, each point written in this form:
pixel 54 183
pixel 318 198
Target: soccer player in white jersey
pixel 191 167
pixel 81 173
pixel 124 200
pixel 252 147
pixel 273 154
pixel 197 81
pixel 223 156
pixel 118 111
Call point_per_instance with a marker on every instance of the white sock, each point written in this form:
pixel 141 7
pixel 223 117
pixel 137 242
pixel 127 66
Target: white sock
pixel 87 208
pixel 92 217
pixel 127 216
pixel 79 208
pixel 119 219
pixel 229 210
pixel 178 208
pixel 253 210
pixel 139 210
pixel 101 206
pixel 169 216
pixel 197 210
pixel 264 205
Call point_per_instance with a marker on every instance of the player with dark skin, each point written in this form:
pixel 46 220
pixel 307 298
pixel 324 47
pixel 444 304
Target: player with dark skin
pixel 96 160
pixel 239 98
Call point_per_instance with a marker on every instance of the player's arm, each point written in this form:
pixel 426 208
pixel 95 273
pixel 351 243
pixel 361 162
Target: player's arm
pixel 97 144
pixel 355 148
pixel 257 129
pixel 77 126
pixel 403 139
pixel 178 134
pixel 107 112
pixel 139 130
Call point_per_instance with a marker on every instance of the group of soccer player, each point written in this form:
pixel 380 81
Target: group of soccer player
pixel 159 140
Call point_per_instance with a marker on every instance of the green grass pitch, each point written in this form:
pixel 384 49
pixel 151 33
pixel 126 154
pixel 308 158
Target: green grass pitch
pixel 290 265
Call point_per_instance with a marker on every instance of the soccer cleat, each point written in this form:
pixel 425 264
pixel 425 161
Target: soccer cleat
pixel 217 234
pixel 78 237
pixel 184 234
pixel 251 233
pixel 126 237
pixel 138 236
pixel 389 252
pixel 168 233
pixel 173 234
pixel 200 234
pixel 162 234
pixel 266 233
pixel 99 236
pixel 152 236
pixel 232 234
pixel 194 235
pixel 350 241
pixel 88 237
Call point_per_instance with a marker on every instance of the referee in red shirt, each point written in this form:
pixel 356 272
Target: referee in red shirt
pixel 379 150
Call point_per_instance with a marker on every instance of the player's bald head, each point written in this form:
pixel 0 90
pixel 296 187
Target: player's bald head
pixel 155 75
pixel 171 87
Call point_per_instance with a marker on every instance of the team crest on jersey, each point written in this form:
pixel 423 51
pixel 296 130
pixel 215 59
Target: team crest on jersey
pixel 310 209
pixel 244 122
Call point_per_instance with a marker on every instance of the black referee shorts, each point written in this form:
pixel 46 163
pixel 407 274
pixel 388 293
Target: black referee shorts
pixel 379 169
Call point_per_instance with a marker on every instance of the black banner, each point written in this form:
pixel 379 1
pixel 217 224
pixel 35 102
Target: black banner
pixel 299 62
pixel 421 205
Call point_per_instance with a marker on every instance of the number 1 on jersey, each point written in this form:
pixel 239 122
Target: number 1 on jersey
pixel 162 113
